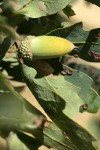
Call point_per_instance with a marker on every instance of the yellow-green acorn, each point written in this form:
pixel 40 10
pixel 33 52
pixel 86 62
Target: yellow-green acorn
pixel 44 47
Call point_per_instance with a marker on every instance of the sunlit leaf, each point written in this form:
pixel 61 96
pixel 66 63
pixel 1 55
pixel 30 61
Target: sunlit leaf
pixel 60 99
pixel 38 8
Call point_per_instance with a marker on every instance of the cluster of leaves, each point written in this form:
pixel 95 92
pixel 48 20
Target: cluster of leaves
pixel 62 95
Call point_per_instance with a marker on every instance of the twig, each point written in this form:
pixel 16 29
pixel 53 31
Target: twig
pixel 83 42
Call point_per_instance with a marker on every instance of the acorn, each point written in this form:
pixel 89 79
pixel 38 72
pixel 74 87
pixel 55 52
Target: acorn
pixel 44 47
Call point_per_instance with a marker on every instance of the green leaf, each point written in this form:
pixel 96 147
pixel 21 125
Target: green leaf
pixel 69 11
pixel 94 126
pixel 15 112
pixel 21 3
pixel 45 25
pixel 96 2
pixel 57 90
pixel 1 2
pixel 50 136
pixel 93 72
pixel 38 8
pixel 88 95
pixel 65 24
pixel 87 41
pixel 22 141
pixel 6 29
pixel 10 6
pixel 58 97
pixel 6 44
pixel 55 138
pixel 14 143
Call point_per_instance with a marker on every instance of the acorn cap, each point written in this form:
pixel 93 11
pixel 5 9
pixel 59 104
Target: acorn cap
pixel 25 50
